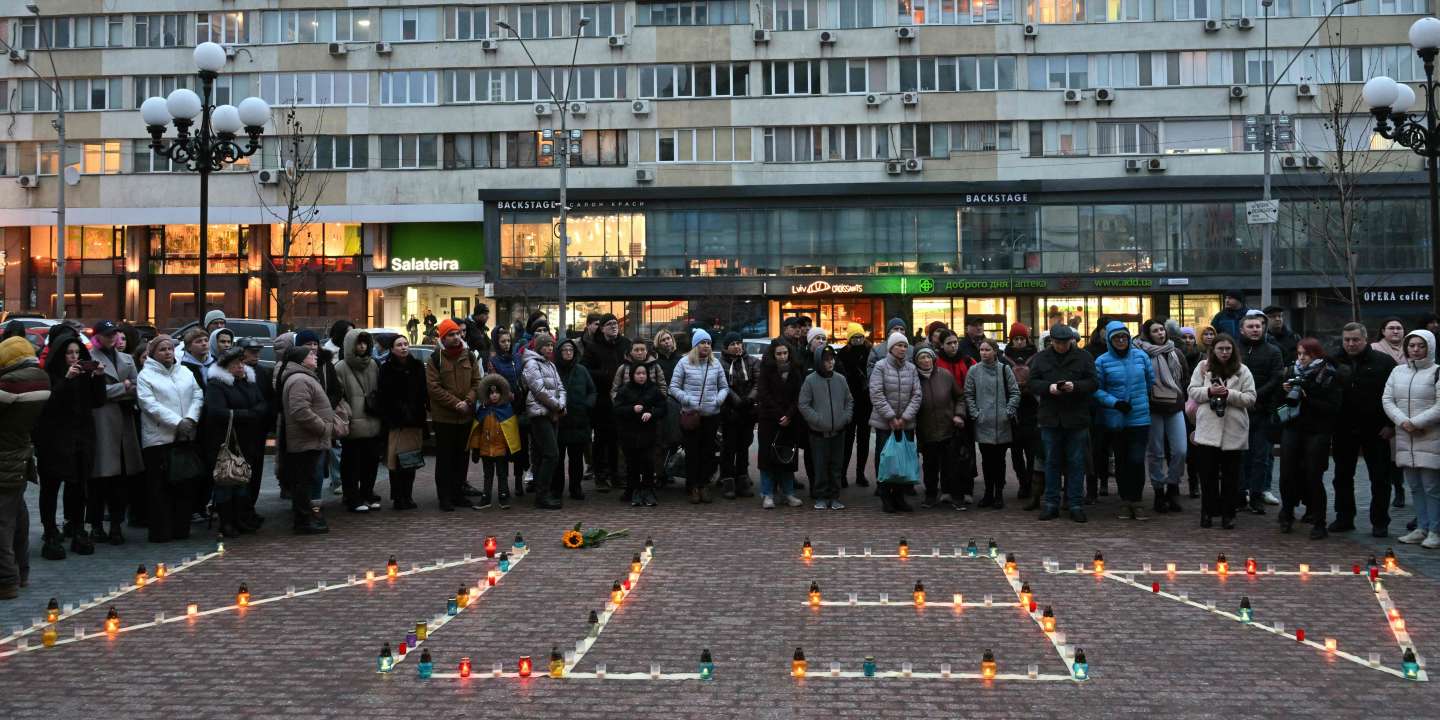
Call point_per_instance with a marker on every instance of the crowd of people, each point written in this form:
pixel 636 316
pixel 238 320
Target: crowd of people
pixel 171 432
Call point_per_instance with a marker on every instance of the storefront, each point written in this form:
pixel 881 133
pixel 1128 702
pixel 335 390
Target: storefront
pixel 429 269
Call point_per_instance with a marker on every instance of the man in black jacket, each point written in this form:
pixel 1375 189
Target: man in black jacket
pixel 1064 380
pixel 737 418
pixel 1281 335
pixel 1366 431
pixel 970 344
pixel 477 331
pixel 1263 359
pixel 604 351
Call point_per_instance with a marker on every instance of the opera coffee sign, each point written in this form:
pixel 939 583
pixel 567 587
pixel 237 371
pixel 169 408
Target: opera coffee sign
pixel 825 287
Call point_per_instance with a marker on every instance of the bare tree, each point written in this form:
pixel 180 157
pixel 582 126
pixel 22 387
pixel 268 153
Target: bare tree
pixel 298 188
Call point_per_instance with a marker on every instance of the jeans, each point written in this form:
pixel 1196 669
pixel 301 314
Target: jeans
pixel 1065 450
pixel 1129 446
pixel 829 465
pixel 1260 458
pixel 857 443
pixel 544 454
pixel 768 478
pixel 14 537
pixel 1166 431
pixel 1348 449
pixel 1425 493
pixel 700 451
pixel 1219 480
pixel 1303 459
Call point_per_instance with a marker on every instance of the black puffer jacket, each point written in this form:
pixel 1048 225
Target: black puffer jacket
pixel 403 398
pixel 225 394
pixel 67 424
pixel 1364 415
pixel 603 357
pixel 1263 359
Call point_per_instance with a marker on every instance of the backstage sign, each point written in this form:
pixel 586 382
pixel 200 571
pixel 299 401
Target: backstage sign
pixel 1395 296
pixel 997 198
pixel 824 287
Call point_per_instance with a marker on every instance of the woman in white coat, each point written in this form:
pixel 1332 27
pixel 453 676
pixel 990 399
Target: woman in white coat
pixel 1410 401
pixel 1223 391
pixel 170 405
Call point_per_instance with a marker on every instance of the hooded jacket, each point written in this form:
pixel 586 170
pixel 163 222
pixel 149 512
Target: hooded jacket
pixel 941 401
pixel 67 425
pixel 655 374
pixel 1123 376
pixel 580 396
pixel 167 396
pixel 777 395
pixel 401 390
pixel 825 398
pixel 740 375
pixel 496 432
pixel 1286 340
pixel 449 381
pixel 699 385
pixel 992 397
pixel 1228 321
pixel 359 376
pixel 24 391
pixel 633 432
pixel 603 357
pixel 545 391
pixel 853 361
pixel 1413 394
pixel 309 418
pixel 211 357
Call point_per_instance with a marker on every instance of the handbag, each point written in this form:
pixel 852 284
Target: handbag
pixel 690 419
pixel 183 465
pixel 410 460
pixel 900 461
pixel 231 467
pixel 1161 395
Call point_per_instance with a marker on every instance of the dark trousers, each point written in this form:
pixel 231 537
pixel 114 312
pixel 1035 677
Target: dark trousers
pixel 402 485
pixel 450 460
pixel 52 477
pixel 738 432
pixel 639 470
pixel 1065 450
pixel 497 467
pixel 359 463
pixel 544 454
pixel 605 455
pixel 1303 459
pixel 857 443
pixel 573 455
pixel 134 489
pixel 169 504
pixel 102 493
pixel 1376 450
pixel 1099 468
pixel 257 469
pixel 14 538
pixel 1129 446
pixel 700 451
pixel 1219 480
pixel 297 473
pixel 1024 451
pixel 992 464
pixel 829 465
pixel 938 462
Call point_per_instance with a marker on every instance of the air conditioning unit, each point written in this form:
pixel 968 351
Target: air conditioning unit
pixel 336 48
pixel 1238 92
pixel 231 51
pixel 894 167
pixel 910 98
pixel 1245 23
pixel 1133 165
pixel 640 107
pixel 543 110
pixel 1290 162
pixel 383 48
pixel 19 56
pixel 1155 165
pixel 1072 96
pixel 914 165
pixel 1104 95
pixel 1032 30
pixel 645 175
pixel 1305 90
pixel 579 108
pixel 616 41
pixel 873 100
pixel 906 33
pixel 1212 26
pixel 828 38
pixel 267 177
pixel 29 182
pixel 1313 162
pixel 490 45
pixel 760 36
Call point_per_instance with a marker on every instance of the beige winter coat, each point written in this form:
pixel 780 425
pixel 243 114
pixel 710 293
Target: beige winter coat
pixel 1231 432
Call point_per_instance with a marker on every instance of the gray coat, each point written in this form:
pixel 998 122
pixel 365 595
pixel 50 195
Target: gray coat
pixel 825 403
pixel 545 392
pixel 117 441
pixel 894 392
pixel 698 386
pixel 992 397
pixel 356 385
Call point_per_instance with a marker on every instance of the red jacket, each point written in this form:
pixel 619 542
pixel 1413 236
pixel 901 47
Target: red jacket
pixel 955 367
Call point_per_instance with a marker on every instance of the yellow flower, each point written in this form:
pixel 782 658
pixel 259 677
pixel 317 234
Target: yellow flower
pixel 572 539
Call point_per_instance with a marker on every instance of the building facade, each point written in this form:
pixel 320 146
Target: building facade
pixel 733 162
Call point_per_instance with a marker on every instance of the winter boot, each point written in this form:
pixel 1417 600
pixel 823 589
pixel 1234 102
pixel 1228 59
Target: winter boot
pixel 1172 498
pixel 54 547
pixel 897 497
pixel 887 499
pixel 226 511
pixel 727 488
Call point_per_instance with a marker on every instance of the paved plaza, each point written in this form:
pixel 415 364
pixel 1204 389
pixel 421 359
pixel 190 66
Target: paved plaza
pixel 729 577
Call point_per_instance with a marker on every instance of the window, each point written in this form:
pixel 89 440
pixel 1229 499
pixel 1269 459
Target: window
pixel 315 88
pixel 471 150
pixel 703 80
pixel 100 158
pixel 955 12
pixel 1128 138
pixel 409 24
pixel 694 12
pixel 36 96
pixel 155 31
pixel 789 14
pixel 226 28
pixel 86 31
pixel 957 137
pixel 148 86
pixel 560 20
pixel 314 240
pixel 797 77
pixel 853 75
pixel 914 140
pixel 310 26
pixel 1058 138
pixel 146 160
pixel 469 23
pixel 342 152
pixel 92 93
pixel 597 147
pixel 407 151
pixel 175 249
pixel 852 13
pixel 695 145
pixel 962 74
pixel 415 87
pixel 1201 136
pixel 1059 72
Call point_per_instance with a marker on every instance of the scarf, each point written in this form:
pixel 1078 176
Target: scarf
pixel 1167 363
pixel 1306 372
pixel 454 352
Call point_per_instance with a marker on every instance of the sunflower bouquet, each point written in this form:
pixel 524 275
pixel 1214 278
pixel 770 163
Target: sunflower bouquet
pixel 574 538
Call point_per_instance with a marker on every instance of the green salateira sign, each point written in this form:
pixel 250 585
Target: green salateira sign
pixel 437 247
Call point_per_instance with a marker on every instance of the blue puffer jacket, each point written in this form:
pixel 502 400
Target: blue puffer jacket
pixel 1125 377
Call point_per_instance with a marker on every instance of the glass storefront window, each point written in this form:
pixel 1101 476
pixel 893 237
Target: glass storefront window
pixel 328 246
pixel 601 245
pixel 832 315
pixel 96 249
pixel 1194 311
pixel 175 249
pixel 996 314
pixel 1084 312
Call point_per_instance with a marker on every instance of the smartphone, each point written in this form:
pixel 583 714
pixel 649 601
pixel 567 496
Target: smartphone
pixel 89 365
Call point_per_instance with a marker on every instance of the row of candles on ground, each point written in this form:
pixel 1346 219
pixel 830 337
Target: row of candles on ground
pixel 385 662
pixel 525 667
pixel 799 666
pixel 1222 566
pixel 918 597
pixel 807 551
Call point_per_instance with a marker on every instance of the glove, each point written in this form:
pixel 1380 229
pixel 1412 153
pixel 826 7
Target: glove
pixel 1123 406
pixel 185 430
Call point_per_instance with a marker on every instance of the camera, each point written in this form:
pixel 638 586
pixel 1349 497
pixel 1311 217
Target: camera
pixel 1293 397
pixel 1217 404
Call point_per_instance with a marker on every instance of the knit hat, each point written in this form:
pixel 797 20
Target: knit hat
pixel 307 336
pixel 212 316
pixel 15 350
pixel 446 326
pixel 606 318
pixel 932 327
pixel 1237 294
pixel 814 333
pixel 897 337
pixel 729 337
pixel 698 336
pixel 895 322
pixel 925 350
pixel 1019 329
pixel 157 341
pixel 542 339
pixel 853 330
pixel 297 354
pixel 1187 331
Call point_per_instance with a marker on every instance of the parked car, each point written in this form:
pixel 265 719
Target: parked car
pixel 241 327
pixel 756 347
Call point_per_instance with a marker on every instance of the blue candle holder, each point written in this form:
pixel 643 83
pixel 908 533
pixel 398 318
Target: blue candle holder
pixel 426 667
pixel 869 666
